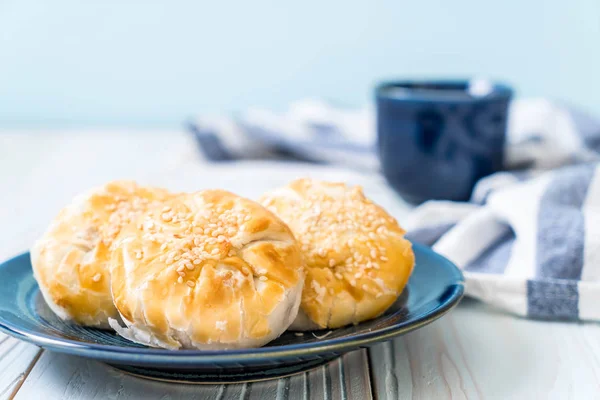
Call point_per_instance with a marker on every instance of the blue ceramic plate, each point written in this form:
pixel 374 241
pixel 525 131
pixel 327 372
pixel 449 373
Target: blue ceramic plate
pixel 434 288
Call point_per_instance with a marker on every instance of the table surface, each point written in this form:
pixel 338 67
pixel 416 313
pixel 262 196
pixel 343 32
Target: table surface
pixel 475 352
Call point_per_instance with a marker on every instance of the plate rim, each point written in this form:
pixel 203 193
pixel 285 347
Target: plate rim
pixel 146 354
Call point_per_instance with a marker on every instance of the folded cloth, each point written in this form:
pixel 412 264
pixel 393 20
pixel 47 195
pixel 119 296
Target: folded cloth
pixel 309 130
pixel 529 239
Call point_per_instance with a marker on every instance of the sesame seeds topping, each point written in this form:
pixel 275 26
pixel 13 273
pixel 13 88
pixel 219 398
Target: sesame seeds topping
pixel 97 278
pixel 333 220
pixel 194 230
pixel 221 325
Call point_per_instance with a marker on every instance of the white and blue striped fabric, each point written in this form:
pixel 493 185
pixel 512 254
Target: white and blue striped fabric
pixel 529 239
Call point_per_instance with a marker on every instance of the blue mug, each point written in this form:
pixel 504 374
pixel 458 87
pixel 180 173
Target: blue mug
pixel 437 138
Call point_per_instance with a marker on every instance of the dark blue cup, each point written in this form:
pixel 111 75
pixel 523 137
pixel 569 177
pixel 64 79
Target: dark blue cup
pixel 437 138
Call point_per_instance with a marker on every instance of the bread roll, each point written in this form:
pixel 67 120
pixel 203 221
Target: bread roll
pixel 209 270
pixel 70 261
pixel 357 261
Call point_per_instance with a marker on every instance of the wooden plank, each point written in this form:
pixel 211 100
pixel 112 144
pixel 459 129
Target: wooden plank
pixel 16 360
pixel 60 376
pixel 477 352
pixel 356 377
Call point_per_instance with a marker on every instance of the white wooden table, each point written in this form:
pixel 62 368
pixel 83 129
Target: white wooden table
pixel 475 352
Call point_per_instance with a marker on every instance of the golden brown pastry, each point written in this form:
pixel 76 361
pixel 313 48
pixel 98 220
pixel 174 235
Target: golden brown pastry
pixel 208 270
pixel 357 261
pixel 70 261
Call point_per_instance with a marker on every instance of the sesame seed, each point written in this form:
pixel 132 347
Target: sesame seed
pixel 180 268
pixel 338 275
pixel 190 283
pixel 331 262
pixel 97 278
pixel 383 258
pixel 197 261
pixel 262 278
pixel 180 279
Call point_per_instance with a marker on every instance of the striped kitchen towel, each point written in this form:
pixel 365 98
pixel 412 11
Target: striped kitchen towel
pixel 310 130
pixel 529 239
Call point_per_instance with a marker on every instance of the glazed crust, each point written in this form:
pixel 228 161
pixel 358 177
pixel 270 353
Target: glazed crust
pixel 357 260
pixel 70 261
pixel 207 270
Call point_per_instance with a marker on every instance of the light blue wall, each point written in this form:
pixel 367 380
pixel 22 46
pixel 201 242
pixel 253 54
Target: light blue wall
pixel 158 62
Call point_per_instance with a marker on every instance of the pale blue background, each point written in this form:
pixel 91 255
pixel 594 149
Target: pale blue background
pixel 154 63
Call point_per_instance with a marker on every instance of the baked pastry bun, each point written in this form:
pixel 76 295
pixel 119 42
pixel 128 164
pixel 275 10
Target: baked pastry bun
pixel 70 260
pixel 208 270
pixel 357 260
